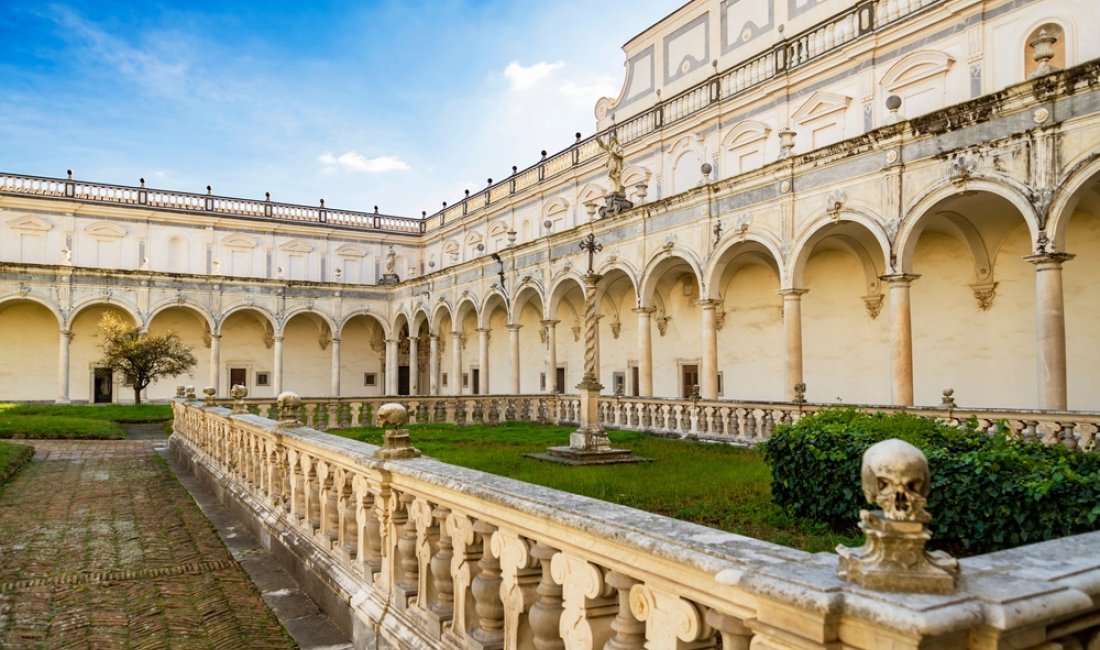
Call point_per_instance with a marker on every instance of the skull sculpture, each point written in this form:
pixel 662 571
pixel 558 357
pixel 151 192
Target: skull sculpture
pixel 895 476
pixel 288 404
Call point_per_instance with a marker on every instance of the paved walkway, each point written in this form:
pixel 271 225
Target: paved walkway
pixel 102 547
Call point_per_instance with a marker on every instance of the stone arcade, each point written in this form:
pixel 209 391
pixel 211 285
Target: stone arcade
pixel 798 202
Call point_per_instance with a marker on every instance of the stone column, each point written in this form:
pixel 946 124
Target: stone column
pixel 216 361
pixel 335 367
pixel 590 435
pixel 645 352
pixel 551 355
pixel 456 363
pixel 513 344
pixel 433 364
pixel 901 338
pixel 1050 329
pixel 792 333
pixel 414 366
pixel 277 379
pixel 391 366
pixel 483 360
pixel 65 338
pixel 708 373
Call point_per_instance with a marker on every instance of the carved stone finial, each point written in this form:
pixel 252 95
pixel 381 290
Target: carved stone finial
pixel 800 393
pixel 209 392
pixel 893 558
pixel 1043 47
pixel 181 391
pixel 238 393
pixel 948 401
pixel 190 394
pixel 288 404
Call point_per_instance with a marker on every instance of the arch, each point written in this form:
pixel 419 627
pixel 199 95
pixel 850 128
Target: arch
pixel 419 318
pixel 1081 175
pixel 524 296
pixel 466 306
pixel 672 255
pixel 17 298
pixel 441 306
pixel 203 315
pixel 818 229
pixel 560 288
pixel 382 325
pixel 719 262
pixel 636 175
pixel 244 306
pixel 96 301
pixel 915 217
pixel 493 299
pixel 627 268
pixel 305 310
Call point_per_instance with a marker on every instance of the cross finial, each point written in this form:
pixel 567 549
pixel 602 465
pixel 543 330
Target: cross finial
pixel 592 246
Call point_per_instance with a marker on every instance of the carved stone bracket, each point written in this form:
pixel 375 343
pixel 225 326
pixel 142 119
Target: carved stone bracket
pixel 984 294
pixel 873 303
pixel 834 202
pixel 961 169
pixel 662 323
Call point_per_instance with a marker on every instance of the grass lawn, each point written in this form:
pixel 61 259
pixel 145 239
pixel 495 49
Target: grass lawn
pixel 36 421
pixel 12 458
pixel 714 485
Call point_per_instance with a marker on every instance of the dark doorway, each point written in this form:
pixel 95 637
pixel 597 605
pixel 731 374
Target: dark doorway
pixel 104 386
pixel 238 377
pixel 691 379
pixel 559 384
pixel 475 378
pixel 402 380
pixel 634 391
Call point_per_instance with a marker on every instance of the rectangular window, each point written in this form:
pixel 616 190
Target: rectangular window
pixel 618 383
pixel 263 378
pixel 444 379
pixel 370 379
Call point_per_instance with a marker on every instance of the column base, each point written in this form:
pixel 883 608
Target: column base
pixel 574 456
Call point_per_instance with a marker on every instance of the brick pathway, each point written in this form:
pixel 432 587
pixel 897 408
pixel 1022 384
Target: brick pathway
pixel 101 547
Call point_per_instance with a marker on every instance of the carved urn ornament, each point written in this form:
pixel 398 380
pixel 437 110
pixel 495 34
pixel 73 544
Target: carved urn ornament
pixel 893 558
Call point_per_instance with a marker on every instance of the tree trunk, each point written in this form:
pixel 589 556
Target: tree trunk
pixel 137 395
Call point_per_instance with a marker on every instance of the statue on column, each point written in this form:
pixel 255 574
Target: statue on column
pixel 616 201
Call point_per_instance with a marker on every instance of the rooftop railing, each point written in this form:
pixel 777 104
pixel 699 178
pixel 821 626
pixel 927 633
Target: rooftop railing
pixel 78 190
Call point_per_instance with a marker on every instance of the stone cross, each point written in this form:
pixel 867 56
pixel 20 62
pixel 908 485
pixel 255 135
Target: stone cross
pixel 592 246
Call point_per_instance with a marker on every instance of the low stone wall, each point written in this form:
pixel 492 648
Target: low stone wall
pixel 419 554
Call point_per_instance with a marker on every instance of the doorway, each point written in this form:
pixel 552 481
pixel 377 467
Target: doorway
pixel 475 378
pixel 104 386
pixel 691 378
pixel 559 386
pixel 402 380
pixel 238 377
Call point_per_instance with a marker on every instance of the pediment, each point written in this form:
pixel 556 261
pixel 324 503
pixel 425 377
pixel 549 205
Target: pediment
pixel 497 228
pixel 33 224
pixel 821 104
pixel 296 246
pixel 105 230
pixel 745 133
pixel 635 174
pixel 554 206
pixel 351 250
pixel 916 67
pixel 450 246
pixel 591 192
pixel 239 241
pixel 473 239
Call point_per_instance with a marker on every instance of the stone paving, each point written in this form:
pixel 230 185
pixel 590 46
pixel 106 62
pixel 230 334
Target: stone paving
pixel 101 547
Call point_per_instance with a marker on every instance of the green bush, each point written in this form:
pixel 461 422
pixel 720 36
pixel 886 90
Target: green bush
pixel 988 492
pixel 12 459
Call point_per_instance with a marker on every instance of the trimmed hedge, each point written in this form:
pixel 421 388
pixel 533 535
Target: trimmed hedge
pixel 12 458
pixel 988 492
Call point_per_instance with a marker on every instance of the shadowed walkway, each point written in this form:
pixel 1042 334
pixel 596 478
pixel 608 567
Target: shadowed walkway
pixel 102 547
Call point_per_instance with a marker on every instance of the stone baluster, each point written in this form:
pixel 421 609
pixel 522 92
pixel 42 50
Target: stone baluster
pixel 330 511
pixel 463 568
pixel 427 543
pixel 485 588
pixel 312 513
pixel 735 634
pixel 297 486
pixel 442 604
pixel 588 603
pixel 381 532
pixel 519 572
pixel 348 539
pixel 406 565
pixel 628 631
pixel 672 623
pixel 545 613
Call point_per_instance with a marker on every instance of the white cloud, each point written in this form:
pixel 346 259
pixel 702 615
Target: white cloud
pixel 523 78
pixel 588 94
pixel 356 162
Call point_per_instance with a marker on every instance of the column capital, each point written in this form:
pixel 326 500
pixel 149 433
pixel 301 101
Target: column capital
pixel 335 339
pixel 513 327
pixel 1049 259
pixel 590 279
pixel 456 334
pixel 644 310
pixel 278 338
pixel 707 303
pixel 484 330
pixel 215 337
pixel 549 322
pixel 899 279
pixel 392 341
pixel 66 333
pixel 792 292
pixel 433 337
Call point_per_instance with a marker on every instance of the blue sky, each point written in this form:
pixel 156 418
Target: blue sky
pixel 400 104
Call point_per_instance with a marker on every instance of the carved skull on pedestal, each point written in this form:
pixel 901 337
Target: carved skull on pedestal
pixel 288 404
pixel 895 476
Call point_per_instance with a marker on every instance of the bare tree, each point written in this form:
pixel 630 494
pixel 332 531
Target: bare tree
pixel 141 356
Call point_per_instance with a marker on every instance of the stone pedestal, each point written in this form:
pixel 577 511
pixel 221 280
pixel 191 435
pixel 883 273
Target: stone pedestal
pixel 589 445
pixel 395 446
pixel 614 203
pixel 893 558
